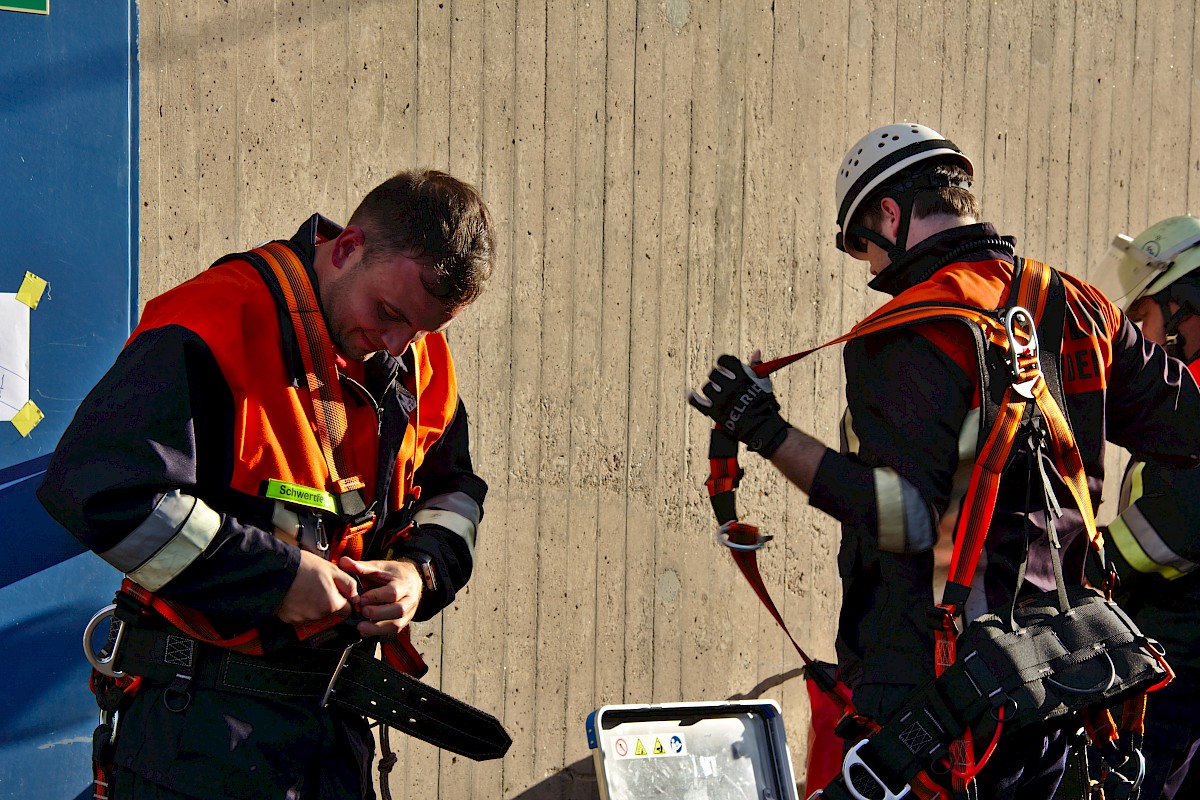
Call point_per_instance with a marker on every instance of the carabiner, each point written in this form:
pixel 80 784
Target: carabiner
pixel 103 664
pixel 1023 351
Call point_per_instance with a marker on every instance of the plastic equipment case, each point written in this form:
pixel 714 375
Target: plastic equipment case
pixel 692 751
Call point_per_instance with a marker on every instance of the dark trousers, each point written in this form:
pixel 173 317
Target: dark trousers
pixel 1028 766
pixel 124 785
pixel 1172 738
pixel 212 744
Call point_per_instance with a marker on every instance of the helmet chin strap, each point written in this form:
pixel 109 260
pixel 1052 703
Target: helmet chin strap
pixel 904 192
pixel 1175 344
pixel 895 250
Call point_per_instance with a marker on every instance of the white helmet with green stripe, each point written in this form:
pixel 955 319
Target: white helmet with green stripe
pixel 1151 263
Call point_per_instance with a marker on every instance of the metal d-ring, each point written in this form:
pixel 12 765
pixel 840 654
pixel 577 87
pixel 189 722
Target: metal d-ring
pixel 1099 688
pixel 998 716
pixel 723 536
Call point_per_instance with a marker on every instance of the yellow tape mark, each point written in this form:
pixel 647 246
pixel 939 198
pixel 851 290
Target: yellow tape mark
pixel 31 290
pixel 27 418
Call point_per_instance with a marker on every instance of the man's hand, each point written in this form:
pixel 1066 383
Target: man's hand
pixel 319 590
pixel 744 404
pixel 391 592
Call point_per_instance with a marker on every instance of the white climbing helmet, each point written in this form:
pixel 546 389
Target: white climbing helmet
pixel 883 153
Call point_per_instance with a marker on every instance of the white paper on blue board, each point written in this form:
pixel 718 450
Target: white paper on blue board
pixel 14 355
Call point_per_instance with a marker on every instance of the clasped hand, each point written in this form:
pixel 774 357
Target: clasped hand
pixel 386 601
pixel 743 403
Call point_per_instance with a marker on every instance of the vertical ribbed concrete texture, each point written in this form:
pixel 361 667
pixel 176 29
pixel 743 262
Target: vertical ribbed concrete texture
pixel 662 177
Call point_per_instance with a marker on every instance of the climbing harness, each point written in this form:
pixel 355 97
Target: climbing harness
pixel 1061 653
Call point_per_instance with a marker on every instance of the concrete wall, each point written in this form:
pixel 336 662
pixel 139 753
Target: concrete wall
pixel 662 175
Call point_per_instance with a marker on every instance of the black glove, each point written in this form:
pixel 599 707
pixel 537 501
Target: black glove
pixel 744 404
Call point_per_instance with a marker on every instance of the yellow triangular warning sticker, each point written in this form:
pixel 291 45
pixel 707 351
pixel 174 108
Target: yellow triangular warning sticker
pixel 658 748
pixel 639 750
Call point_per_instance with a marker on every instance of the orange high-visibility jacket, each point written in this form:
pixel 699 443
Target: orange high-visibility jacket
pixel 164 470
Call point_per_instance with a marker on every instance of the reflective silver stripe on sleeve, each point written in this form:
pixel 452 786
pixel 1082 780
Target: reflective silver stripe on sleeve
pixel 968 446
pixel 1136 537
pixel 968 437
pixel 1159 555
pixel 170 539
pixel 904 524
pixel 456 511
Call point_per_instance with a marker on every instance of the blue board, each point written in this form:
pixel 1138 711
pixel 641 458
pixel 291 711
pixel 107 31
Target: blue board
pixel 68 202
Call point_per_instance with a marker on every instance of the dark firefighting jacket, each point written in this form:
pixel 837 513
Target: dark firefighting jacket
pixel 164 470
pixel 910 434
pixel 1154 543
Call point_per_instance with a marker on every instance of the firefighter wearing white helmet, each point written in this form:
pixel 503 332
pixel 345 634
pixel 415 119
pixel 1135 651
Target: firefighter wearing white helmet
pixel 1154 278
pixel 919 173
pixel 911 428
pixel 1154 542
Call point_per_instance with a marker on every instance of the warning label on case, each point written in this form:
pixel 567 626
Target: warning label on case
pixel 649 745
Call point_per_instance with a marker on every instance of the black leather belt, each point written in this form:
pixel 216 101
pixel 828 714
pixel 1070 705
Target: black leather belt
pixel 347 677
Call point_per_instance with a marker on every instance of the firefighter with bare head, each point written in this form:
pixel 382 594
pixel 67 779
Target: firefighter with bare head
pixel 278 463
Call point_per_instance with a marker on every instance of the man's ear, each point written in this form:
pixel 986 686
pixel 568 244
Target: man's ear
pixel 891 217
pixel 348 242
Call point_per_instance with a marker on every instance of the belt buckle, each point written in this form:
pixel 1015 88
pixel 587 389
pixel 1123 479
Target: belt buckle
pixel 337 671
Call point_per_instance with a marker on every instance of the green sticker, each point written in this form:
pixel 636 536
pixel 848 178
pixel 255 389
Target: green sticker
pixel 28 6
pixel 301 495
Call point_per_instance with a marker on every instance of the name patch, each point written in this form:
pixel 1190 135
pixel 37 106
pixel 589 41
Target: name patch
pixel 301 495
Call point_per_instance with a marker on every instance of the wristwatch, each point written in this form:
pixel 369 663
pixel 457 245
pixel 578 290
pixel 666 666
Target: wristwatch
pixel 424 565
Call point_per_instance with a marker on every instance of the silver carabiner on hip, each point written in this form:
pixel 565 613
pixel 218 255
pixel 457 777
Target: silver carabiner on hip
pixel 102 661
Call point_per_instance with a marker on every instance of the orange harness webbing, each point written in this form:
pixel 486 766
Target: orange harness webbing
pixel 316 348
pixel 329 412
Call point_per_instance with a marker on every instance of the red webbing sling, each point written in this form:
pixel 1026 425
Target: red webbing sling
pixel 979 503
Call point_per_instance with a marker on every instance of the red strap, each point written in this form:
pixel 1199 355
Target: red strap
pixel 979 503
pixel 1100 726
pixel 197 626
pixel 723 475
pixel 747 561
pixel 1133 715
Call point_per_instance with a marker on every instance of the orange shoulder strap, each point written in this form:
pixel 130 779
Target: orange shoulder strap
pixel 316 350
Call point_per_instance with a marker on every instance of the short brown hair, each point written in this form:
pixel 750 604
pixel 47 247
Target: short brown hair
pixel 438 220
pixel 949 195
